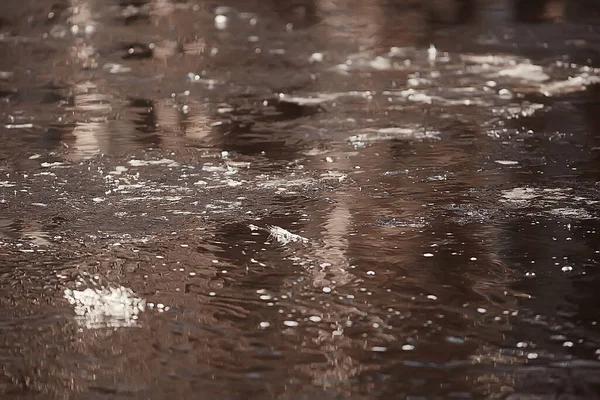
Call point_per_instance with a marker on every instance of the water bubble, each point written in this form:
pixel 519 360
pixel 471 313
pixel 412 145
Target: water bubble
pixel 316 58
pixel 290 323
pixel 221 22
pixel 505 94
pixel 431 53
pixel 428 255
pixel 408 347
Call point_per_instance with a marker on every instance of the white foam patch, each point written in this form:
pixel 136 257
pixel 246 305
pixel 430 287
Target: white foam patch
pixel 106 307
pixel 550 200
pixel 284 237
pixel 525 109
pixel 280 235
pixel 525 72
pixel 514 73
pixel 568 212
pixel 394 133
pixel 308 101
pixel 142 163
pixel 519 194
pixel 570 85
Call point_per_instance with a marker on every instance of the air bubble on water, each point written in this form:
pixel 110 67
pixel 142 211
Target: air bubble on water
pixel 521 345
pixel 378 349
pixel 567 268
pixel 327 289
pixel 532 356
pixel 530 274
pixel 290 323
pixel 264 324
pixel 481 310
pixel 221 21
pixel 505 94
pixel 427 255
pixel 314 318
pixel 568 344
pixel 316 58
pixel 371 273
pixel 431 53
pixel 408 347
pixel 431 297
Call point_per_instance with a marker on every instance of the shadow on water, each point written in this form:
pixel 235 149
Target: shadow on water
pixel 299 199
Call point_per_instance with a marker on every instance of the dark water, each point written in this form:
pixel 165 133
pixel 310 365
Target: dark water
pixel 302 199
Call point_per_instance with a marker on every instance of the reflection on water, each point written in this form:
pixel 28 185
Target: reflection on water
pixel 438 161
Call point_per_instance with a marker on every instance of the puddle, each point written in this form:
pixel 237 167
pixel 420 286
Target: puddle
pixel 309 199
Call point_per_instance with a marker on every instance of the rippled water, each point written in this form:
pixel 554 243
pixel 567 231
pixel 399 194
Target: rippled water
pixel 302 199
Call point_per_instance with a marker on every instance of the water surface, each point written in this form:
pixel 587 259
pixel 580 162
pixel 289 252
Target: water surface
pixel 299 199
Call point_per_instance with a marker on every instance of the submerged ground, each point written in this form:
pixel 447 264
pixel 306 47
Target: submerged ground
pixel 303 199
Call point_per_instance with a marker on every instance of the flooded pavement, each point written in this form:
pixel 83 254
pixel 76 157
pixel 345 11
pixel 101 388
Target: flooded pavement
pixel 299 199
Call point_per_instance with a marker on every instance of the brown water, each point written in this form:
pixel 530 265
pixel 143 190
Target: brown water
pixel 299 199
